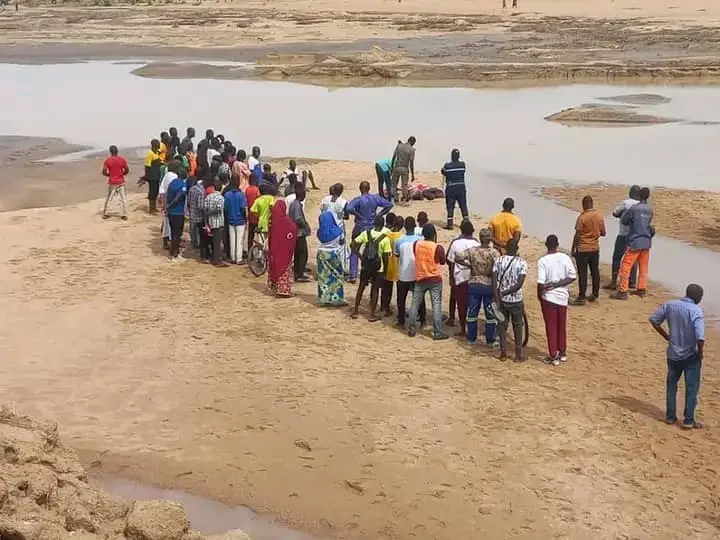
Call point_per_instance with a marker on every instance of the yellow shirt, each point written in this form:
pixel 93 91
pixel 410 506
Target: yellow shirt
pixel 393 269
pixel 504 226
pixel 163 152
pixel 384 247
pixel 262 207
pixel 150 157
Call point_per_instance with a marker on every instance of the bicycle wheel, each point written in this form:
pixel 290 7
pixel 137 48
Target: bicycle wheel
pixel 257 260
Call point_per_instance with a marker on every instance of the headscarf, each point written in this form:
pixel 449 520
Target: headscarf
pixel 329 228
pixel 281 240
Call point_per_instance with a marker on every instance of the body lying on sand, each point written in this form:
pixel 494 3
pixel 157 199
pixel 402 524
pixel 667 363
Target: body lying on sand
pixel 231 200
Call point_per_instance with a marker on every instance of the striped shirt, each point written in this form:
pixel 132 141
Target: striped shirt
pixel 454 173
pixel 215 210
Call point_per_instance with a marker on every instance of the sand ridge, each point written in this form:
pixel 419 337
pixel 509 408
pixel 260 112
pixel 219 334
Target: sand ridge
pixel 192 377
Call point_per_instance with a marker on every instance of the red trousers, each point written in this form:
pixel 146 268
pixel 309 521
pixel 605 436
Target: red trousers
pixel 555 327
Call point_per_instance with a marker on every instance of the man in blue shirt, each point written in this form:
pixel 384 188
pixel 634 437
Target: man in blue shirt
pixel 641 231
pixel 175 197
pixel 686 341
pixel 454 179
pixel 364 208
pixel 236 215
pixel 383 170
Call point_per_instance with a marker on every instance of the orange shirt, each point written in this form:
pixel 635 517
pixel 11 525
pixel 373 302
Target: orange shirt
pixel 426 263
pixel 589 227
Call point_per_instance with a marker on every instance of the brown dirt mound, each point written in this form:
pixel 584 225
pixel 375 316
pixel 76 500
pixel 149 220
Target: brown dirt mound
pixel 44 494
pixel 598 114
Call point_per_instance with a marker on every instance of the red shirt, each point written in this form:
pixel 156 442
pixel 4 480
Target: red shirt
pixel 252 193
pixel 115 167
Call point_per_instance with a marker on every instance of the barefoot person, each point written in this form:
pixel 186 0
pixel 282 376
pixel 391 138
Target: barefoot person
pixel 509 275
pixel 282 235
pixel 115 168
pixel 555 273
pixel 505 225
pixel 589 227
pixel 375 258
pixel 686 342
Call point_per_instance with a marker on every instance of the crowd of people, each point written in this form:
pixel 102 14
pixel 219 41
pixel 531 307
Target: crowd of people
pixel 231 199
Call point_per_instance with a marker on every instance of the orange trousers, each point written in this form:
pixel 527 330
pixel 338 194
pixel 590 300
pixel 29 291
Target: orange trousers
pixel 642 257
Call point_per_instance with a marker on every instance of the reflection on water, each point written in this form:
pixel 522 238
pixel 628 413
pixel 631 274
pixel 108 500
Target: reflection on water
pixel 502 134
pixel 206 516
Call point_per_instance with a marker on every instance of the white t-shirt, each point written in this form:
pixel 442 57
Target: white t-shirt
pixel 290 198
pixel 404 251
pixel 461 273
pixel 555 267
pixel 211 153
pixel 509 270
pixel 165 182
pixel 252 162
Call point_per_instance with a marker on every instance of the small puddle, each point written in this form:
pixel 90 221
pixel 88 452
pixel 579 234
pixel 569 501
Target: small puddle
pixel 206 516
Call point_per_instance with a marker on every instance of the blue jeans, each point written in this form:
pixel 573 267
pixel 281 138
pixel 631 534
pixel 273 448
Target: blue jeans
pixel 419 291
pixel 618 252
pixel 691 369
pixel 480 296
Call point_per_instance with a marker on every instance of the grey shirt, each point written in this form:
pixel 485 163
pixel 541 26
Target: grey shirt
pixel 297 214
pixel 639 220
pixel 620 209
pixel 404 155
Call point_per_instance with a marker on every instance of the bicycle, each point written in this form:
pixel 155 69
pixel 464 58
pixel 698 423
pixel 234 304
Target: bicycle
pixel 258 255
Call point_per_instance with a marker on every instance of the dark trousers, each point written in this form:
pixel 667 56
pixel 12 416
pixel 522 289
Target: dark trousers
pixel 456 194
pixel 460 297
pixel 691 369
pixel 513 312
pixel 153 189
pixel 386 293
pixel 403 288
pixel 218 235
pixel 383 178
pixel 300 258
pixel 251 234
pixel 555 327
pixel 618 252
pixel 177 224
pixel 585 260
pixel 205 243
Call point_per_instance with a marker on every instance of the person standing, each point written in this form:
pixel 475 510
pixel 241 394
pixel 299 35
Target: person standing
pixel 480 260
pixel 509 274
pixel 395 225
pixel 638 218
pixel 252 192
pixel 621 240
pixel 404 251
pixel 589 227
pixel 115 168
pixel 505 225
pixel 403 168
pixel 297 214
pixel 686 343
pixel 240 168
pixel 455 191
pixel 555 273
pixel 196 204
pixel 330 259
pixel 236 214
pixel 364 209
pixel 153 174
pixel 188 139
pixel 254 164
pixel 429 258
pixel 282 235
pixel 375 259
pixel 383 170
pixel 175 196
pixel 215 218
pixel 460 274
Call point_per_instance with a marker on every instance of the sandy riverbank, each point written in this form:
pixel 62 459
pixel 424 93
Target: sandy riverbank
pixel 687 215
pixel 166 370
pixel 374 42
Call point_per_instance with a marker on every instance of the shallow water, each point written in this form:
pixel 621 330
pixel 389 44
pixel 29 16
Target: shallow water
pixel 503 136
pixel 206 516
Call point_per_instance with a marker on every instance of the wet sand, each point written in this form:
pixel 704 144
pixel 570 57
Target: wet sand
pixel 163 373
pixel 380 43
pixel 687 215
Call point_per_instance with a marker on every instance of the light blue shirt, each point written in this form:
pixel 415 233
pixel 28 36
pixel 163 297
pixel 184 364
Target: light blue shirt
pixel 385 165
pixel 686 324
